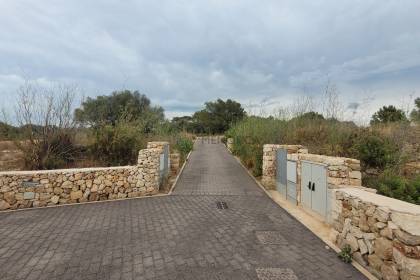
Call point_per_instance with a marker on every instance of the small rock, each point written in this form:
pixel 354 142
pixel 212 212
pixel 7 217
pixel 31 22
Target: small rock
pixel 357 256
pixel 408 251
pixel 380 225
pixel 76 195
pixel 375 262
pixel 362 246
pixel 382 214
pixel 352 242
pixel 389 271
pixel 387 232
pixel 407 238
pixel 55 199
pixel 4 205
pixel 383 248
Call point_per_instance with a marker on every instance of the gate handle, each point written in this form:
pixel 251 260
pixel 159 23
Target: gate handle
pixel 309 185
pixel 313 186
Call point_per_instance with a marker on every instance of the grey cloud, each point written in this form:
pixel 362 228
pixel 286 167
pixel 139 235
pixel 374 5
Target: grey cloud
pixel 183 53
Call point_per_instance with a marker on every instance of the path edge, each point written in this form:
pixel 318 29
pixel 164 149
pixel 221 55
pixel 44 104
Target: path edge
pixel 359 267
pixel 179 173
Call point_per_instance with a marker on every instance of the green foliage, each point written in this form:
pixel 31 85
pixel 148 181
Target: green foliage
pixel 117 144
pixel 109 109
pixel 415 114
pixel 183 123
pixel 388 114
pixel 320 136
pixel 184 145
pixel 8 132
pixel 311 116
pixel 377 152
pixel 396 186
pixel 345 254
pixel 217 116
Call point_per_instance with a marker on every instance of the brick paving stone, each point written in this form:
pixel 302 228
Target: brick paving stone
pixel 182 236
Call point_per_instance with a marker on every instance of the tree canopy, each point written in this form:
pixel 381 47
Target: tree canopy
pixel 415 114
pixel 388 114
pixel 217 116
pixel 109 109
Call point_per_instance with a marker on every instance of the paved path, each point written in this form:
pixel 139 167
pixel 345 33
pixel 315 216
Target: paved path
pixel 182 236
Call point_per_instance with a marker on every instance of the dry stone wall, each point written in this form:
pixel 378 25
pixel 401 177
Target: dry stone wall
pixel 25 189
pixel 229 144
pixel 383 233
pixel 269 165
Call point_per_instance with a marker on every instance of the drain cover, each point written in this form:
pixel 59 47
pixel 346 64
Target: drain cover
pixel 276 274
pixel 270 237
pixel 221 205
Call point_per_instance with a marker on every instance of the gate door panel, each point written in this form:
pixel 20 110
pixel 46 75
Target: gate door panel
pixel 281 171
pixel 291 181
pixel 319 189
pixel 306 191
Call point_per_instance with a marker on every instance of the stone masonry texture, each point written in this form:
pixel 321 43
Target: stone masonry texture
pixel 26 189
pixel 385 240
pixel 181 236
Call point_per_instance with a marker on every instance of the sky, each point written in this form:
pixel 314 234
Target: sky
pixel 265 54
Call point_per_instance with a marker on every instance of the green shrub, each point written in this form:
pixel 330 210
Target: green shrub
pixel 117 145
pixel 377 152
pixel 184 145
pixel 396 186
pixel 345 254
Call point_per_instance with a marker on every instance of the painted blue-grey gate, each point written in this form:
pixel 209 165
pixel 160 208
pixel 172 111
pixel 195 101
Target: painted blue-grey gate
pixel 281 171
pixel 291 189
pixel 285 175
pixel 314 187
pixel 164 164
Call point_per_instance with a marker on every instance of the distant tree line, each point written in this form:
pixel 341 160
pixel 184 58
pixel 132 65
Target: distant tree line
pixel 215 118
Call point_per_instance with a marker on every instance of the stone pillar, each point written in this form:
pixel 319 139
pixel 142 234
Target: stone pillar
pixel 229 144
pixel 148 165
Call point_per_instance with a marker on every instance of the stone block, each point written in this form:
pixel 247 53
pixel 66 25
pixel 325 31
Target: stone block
pixel 408 251
pixel 352 242
pixel 76 195
pixel 407 238
pixel 4 205
pixel 408 222
pixel 28 195
pixel 55 199
pixel 409 268
pixel 389 271
pixel 375 262
pixel 383 248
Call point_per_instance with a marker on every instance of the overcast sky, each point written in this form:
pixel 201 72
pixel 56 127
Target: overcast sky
pixel 182 53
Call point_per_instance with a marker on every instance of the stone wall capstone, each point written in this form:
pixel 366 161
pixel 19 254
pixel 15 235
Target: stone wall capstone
pixel 26 189
pixel 383 233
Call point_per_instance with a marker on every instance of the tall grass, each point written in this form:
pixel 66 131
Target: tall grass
pixel 376 147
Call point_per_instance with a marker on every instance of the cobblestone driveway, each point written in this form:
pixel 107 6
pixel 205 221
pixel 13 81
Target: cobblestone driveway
pixel 182 236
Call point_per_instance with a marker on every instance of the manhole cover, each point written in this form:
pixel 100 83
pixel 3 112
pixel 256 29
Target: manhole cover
pixel 275 274
pixel 270 237
pixel 221 205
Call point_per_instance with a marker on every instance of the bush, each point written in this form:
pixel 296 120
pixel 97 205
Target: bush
pixel 377 152
pixel 56 151
pixel 396 186
pixel 345 254
pixel 117 145
pixel 184 145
